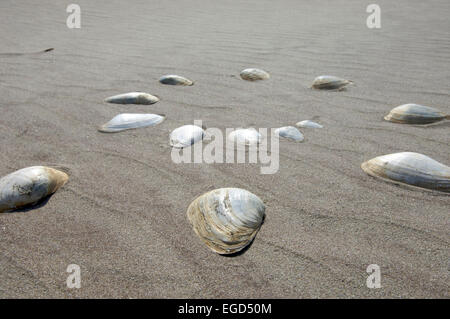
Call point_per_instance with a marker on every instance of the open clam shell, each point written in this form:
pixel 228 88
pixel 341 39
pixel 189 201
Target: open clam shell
pixel 172 79
pixel 410 168
pixel 128 121
pixel 415 114
pixel 29 185
pixel 290 132
pixel 247 136
pixel 186 135
pixel 254 74
pixel 133 98
pixel 329 82
pixel 308 124
pixel 226 219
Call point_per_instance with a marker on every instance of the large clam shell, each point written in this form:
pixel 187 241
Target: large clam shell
pixel 290 132
pixel 133 98
pixel 29 185
pixel 410 168
pixel 226 219
pixel 245 136
pixel 172 79
pixel 329 82
pixel 186 135
pixel 415 114
pixel 254 74
pixel 308 124
pixel 128 121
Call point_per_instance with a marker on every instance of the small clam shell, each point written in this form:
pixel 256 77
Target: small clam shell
pixel 186 135
pixel 290 132
pixel 248 136
pixel 175 80
pixel 133 98
pixel 329 82
pixel 308 124
pixel 410 168
pixel 226 219
pixel 128 121
pixel 254 75
pixel 29 185
pixel 414 114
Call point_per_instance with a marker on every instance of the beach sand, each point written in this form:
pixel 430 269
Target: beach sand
pixel 122 216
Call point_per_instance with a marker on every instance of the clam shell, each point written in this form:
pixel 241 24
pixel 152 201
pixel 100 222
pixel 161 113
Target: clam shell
pixel 226 219
pixel 329 82
pixel 248 136
pixel 29 185
pixel 410 168
pixel 414 114
pixel 308 124
pixel 128 121
pixel 175 80
pixel 290 132
pixel 186 135
pixel 254 74
pixel 133 98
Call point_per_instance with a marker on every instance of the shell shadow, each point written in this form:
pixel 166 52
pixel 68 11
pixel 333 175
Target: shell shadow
pixel 29 207
pixel 439 124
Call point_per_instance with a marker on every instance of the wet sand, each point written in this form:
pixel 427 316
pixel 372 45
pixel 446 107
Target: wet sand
pixel 122 216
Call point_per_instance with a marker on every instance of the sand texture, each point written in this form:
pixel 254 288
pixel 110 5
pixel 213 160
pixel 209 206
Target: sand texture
pixel 122 215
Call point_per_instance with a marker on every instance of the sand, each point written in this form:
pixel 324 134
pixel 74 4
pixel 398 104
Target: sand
pixel 122 216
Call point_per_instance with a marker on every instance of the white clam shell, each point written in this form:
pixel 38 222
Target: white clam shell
pixel 410 168
pixel 186 135
pixel 226 219
pixel 329 82
pixel 133 98
pixel 252 74
pixel 414 114
pixel 173 79
pixel 290 132
pixel 247 136
pixel 128 121
pixel 29 185
pixel 308 124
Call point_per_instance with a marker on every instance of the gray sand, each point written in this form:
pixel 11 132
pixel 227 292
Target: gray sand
pixel 122 216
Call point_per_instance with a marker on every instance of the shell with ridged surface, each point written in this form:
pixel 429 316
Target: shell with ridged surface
pixel 253 74
pixel 410 168
pixel 330 82
pixel 226 219
pixel 29 185
pixel 133 98
pixel 415 114
pixel 173 79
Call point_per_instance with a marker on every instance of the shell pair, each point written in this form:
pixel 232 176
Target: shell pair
pixel 28 186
